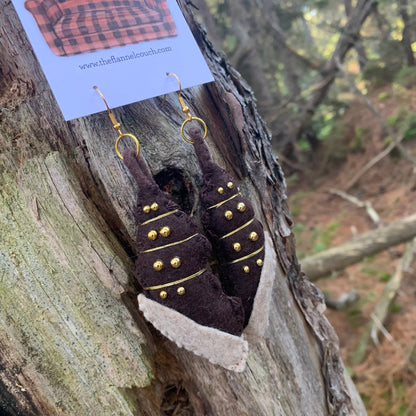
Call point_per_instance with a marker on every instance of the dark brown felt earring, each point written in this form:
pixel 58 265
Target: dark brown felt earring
pixel 246 257
pixel 236 235
pixel 181 297
pixel 228 218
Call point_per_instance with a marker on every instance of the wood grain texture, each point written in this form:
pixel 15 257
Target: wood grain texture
pixel 71 334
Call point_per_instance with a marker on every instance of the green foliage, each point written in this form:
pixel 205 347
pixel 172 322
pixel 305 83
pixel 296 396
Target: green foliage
pixel 365 398
pixel 230 43
pixel 296 202
pixel 356 318
pixel 404 123
pixel 387 141
pixel 378 74
pixel 410 132
pixel 334 143
pixel 370 259
pixel 406 77
pixel 311 29
pixel 396 395
pixel 371 271
pixel 385 277
pixel 322 238
pixel 384 96
pixel 393 120
pixel 357 143
pixel 292 180
pixel 304 144
pixel 299 227
pixel 387 59
pixel 395 308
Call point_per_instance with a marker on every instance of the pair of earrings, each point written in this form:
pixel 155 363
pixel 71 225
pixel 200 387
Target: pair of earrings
pixel 181 295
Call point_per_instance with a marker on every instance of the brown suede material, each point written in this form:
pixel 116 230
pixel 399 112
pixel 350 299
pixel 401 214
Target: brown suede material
pixel 204 300
pixel 236 278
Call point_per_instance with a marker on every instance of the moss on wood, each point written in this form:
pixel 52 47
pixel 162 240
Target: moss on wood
pixel 61 277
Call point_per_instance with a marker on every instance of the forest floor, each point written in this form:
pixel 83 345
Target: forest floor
pixel 385 378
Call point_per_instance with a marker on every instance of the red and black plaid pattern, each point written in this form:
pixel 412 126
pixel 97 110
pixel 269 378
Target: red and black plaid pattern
pixel 72 27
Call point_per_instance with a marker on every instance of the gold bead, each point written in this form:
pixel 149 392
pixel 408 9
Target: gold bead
pixel 152 235
pixel 158 265
pixel 253 236
pixel 163 294
pixel 220 190
pixel 237 247
pixel 175 262
pixel 181 290
pixel 259 262
pixel 228 215
pixel 146 209
pixel 230 185
pixel 154 206
pixel 165 231
pixel 241 206
pixel 246 269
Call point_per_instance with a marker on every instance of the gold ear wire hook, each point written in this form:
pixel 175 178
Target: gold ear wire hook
pixel 187 111
pixel 117 127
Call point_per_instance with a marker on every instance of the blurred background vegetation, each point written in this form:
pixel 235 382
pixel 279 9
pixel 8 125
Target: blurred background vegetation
pixel 307 61
pixel 336 84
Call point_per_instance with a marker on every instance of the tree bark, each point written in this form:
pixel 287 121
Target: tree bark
pixel 408 28
pixel 359 48
pixel 72 340
pixel 247 56
pixel 367 244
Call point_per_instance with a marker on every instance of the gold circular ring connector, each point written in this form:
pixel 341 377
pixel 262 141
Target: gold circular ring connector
pixel 134 138
pixel 196 119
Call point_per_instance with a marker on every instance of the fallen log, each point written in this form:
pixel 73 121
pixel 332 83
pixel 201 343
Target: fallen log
pixel 382 308
pixel 388 296
pixel 353 251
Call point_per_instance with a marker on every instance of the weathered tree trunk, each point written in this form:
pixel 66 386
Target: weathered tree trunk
pixel 72 341
pixel 408 28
